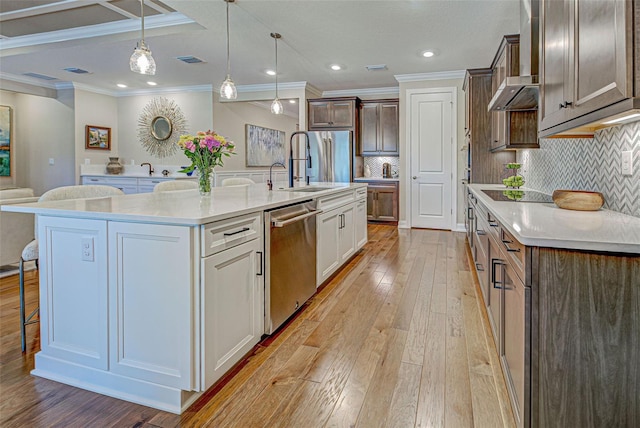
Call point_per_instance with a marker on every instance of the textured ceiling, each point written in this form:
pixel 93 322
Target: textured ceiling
pixel 44 38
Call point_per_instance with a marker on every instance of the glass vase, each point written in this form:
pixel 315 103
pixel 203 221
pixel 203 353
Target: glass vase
pixel 204 181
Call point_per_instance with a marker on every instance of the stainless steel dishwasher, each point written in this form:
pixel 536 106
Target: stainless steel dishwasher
pixel 290 261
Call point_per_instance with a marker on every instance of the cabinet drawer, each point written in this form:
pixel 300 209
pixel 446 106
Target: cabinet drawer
pixel 110 181
pixel 327 203
pixel 229 233
pixel 361 193
pixel 514 251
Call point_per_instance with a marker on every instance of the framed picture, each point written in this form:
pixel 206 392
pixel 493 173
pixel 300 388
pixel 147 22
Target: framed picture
pixel 97 138
pixel 264 146
pixel 5 141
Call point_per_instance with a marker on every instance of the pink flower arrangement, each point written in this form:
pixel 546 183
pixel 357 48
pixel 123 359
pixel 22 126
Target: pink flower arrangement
pixel 205 150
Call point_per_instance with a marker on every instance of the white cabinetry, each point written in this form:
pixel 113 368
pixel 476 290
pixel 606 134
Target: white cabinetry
pixel 335 232
pixel 233 293
pixel 151 290
pixel 361 217
pixel 73 324
pixel 128 185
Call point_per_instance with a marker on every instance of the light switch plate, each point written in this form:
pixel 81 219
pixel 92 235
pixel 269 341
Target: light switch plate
pixel 627 162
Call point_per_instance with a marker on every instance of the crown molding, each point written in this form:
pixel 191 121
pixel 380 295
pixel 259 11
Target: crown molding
pixel 436 75
pixel 391 90
pixel 268 87
pixel 27 80
pixel 97 30
pixel 173 90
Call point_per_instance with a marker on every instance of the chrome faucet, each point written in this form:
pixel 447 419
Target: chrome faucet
pixel 150 167
pixel 306 158
pixel 270 181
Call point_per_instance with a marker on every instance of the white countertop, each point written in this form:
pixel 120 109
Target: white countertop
pixel 183 207
pixel 546 225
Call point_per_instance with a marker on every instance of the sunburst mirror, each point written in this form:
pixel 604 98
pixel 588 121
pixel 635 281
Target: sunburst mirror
pixel 160 126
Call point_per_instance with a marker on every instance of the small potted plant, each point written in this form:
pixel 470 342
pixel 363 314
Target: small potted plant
pixel 515 180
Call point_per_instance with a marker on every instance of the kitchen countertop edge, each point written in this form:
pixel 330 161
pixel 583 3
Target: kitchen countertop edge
pixel 545 225
pixel 183 207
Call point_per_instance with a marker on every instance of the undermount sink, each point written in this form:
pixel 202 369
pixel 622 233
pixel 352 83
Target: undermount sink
pixel 306 189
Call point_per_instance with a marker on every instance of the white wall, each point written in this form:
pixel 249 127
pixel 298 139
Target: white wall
pixel 196 106
pixel 404 148
pixel 97 110
pixel 230 118
pixel 43 130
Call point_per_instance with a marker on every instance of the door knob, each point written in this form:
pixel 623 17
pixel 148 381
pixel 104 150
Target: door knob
pixel 414 177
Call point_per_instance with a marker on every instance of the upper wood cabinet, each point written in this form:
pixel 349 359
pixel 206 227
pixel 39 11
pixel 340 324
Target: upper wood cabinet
pixel 331 113
pixel 485 166
pixel 511 129
pixel 587 62
pixel 379 128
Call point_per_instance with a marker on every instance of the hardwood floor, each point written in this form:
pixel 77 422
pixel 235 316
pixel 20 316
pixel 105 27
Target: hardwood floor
pixel 399 338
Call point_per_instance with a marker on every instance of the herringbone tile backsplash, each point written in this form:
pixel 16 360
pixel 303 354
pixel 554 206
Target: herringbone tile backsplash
pixel 588 164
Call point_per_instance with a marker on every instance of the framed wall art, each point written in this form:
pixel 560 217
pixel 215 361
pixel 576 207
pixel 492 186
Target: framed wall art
pixel 264 146
pixel 5 140
pixel 97 138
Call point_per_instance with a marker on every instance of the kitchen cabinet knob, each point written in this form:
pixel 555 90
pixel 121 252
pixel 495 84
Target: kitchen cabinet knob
pixel 415 177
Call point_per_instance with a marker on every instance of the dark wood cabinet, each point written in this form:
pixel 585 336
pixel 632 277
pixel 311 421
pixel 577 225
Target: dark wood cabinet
pixel 511 129
pixel 382 201
pixel 567 340
pixel 379 128
pixel 330 113
pixel 588 65
pixel 485 167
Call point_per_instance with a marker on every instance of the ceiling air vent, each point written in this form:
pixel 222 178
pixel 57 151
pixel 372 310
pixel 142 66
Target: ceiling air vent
pixel 376 67
pixel 190 59
pixel 40 76
pixel 76 70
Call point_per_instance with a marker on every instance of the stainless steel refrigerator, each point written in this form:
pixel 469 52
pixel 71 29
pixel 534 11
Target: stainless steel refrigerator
pixel 331 156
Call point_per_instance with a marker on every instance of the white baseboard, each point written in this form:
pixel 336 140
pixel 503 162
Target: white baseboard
pixel 403 225
pixel 460 227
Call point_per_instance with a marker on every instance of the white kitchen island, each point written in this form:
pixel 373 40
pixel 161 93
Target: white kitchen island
pixel 151 298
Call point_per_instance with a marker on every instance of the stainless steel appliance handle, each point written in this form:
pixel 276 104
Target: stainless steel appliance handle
pixel 283 223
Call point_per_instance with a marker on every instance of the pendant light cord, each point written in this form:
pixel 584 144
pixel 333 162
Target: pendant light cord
pixel 276 39
pixel 142 16
pixel 228 60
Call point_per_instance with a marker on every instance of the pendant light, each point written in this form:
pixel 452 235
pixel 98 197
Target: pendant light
pixel 141 60
pixel 228 89
pixel 276 105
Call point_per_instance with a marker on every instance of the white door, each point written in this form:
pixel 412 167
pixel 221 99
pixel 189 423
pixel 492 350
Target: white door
pixel 431 147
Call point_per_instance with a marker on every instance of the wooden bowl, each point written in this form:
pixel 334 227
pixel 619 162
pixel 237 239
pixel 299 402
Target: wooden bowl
pixel 579 200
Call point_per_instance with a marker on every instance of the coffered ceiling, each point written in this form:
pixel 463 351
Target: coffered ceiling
pixel 43 38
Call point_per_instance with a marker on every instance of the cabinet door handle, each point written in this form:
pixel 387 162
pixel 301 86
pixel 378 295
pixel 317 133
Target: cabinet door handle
pixel 566 104
pixel 470 213
pixel 493 223
pixel 415 177
pixel 260 262
pixel 494 263
pixel 506 243
pixel 480 267
pixel 93 179
pixel 244 229
pixel 481 232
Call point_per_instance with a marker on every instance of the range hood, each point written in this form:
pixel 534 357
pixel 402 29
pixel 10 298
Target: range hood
pixel 516 93
pixel 521 92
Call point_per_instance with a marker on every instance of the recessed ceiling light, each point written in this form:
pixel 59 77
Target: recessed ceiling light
pixel 428 54
pixel 121 85
pixel 270 72
pixel 292 101
pixel 150 83
pixel 336 67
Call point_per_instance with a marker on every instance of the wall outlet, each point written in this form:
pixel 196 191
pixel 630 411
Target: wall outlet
pixel 87 161
pixel 627 162
pixel 52 161
pixel 87 249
